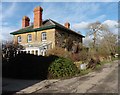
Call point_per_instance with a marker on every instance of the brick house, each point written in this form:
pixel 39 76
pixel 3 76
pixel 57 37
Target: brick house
pixel 43 35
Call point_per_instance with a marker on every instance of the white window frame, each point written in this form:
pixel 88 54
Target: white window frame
pixel 43 36
pixel 19 39
pixel 29 38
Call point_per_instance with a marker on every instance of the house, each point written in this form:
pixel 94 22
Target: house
pixel 43 35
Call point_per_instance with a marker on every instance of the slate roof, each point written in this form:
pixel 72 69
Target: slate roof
pixel 47 24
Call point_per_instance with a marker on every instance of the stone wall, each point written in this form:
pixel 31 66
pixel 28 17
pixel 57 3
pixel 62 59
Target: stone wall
pixel 62 36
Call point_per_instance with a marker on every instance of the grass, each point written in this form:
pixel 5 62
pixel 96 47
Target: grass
pixel 86 71
pixel 116 58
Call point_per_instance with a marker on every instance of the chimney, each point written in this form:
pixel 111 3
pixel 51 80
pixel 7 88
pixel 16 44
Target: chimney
pixel 25 21
pixel 67 25
pixel 37 17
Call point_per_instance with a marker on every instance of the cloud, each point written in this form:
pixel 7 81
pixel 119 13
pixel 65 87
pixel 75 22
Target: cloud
pixel 111 23
pixel 82 25
pixel 87 40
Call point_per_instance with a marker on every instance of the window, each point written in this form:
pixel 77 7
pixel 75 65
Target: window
pixel 44 36
pixel 19 39
pixel 29 38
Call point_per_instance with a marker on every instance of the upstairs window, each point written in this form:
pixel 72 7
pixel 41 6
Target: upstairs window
pixel 44 36
pixel 29 38
pixel 19 39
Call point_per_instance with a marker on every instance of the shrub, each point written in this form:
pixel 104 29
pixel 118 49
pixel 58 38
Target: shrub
pixel 62 68
pixel 82 55
pixel 58 51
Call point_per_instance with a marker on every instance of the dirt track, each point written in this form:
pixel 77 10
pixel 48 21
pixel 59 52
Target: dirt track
pixel 102 81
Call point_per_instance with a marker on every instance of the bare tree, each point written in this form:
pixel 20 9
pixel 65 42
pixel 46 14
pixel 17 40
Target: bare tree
pixel 9 50
pixel 96 29
pixel 108 44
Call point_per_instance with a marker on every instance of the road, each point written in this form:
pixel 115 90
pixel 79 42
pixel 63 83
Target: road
pixel 104 80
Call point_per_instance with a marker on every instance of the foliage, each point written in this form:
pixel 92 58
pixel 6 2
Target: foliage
pixel 62 67
pixel 78 63
pixel 86 71
pixel 108 43
pixel 9 50
pixel 58 51
pixel 105 42
pixel 69 44
pixel 82 53
pixel 93 63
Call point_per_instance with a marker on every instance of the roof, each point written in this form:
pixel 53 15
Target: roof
pixel 47 24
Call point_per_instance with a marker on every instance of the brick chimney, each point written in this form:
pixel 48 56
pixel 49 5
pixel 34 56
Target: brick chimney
pixel 25 21
pixel 37 17
pixel 67 25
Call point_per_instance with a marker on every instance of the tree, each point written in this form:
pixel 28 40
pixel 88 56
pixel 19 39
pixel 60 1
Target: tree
pixel 108 44
pixel 96 29
pixel 10 49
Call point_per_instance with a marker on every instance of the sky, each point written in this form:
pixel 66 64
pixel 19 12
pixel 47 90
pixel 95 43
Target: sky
pixel 78 14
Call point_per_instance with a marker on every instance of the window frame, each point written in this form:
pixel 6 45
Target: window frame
pixel 43 36
pixel 28 38
pixel 19 39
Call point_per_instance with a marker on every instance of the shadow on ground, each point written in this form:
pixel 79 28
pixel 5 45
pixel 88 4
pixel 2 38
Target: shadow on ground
pixel 11 86
pixel 26 66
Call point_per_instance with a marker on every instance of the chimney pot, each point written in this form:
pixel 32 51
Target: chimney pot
pixel 25 21
pixel 67 25
pixel 38 9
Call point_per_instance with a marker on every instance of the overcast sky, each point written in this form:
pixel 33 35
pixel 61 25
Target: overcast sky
pixel 79 14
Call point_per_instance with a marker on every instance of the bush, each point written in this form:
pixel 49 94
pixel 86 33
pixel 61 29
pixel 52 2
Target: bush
pixel 58 51
pixel 62 68
pixel 82 55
